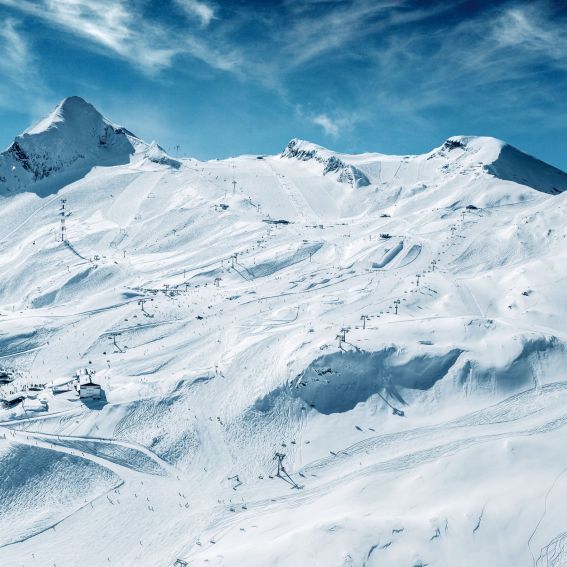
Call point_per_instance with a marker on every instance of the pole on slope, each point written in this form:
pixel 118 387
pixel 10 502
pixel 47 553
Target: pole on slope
pixel 63 228
pixel 113 337
pixel 342 336
pixel 279 457
pixel 396 304
pixel 364 318
pixel 141 303
pixel 282 473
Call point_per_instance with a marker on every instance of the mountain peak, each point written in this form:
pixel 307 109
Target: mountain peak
pixel 344 172
pixel 62 147
pixel 74 102
pixel 504 161
pixel 73 113
pixel 71 109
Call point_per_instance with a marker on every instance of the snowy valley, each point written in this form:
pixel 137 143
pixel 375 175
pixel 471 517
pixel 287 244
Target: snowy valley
pixel 310 358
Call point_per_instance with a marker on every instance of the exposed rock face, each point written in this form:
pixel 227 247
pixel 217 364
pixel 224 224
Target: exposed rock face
pixel 332 165
pixel 62 147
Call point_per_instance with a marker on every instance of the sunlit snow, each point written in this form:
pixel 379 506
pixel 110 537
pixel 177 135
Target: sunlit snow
pixel 395 326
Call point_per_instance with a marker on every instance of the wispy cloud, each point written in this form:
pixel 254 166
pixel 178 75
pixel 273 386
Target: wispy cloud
pixel 532 29
pixel 20 82
pixel 313 30
pixel 327 38
pixel 14 50
pixel 330 127
pixel 335 123
pixel 119 28
pixel 488 66
pixel 197 9
pixel 311 34
pixel 381 60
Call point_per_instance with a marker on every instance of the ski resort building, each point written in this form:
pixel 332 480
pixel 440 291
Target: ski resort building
pixel 5 377
pixel 12 400
pixel 62 387
pixel 89 390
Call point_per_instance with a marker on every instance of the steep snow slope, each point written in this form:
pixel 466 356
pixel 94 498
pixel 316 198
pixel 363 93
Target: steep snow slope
pixel 467 155
pixel 344 172
pixel 64 146
pixel 402 343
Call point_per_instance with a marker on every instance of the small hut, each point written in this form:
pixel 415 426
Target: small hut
pixel 89 390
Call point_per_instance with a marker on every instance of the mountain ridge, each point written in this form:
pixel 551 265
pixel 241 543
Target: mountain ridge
pixel 72 139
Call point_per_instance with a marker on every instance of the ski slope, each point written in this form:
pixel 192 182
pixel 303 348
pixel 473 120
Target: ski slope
pixel 394 325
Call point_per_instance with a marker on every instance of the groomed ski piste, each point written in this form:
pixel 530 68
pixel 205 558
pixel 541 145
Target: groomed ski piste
pixel 305 359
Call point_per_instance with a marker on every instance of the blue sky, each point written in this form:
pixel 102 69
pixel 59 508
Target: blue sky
pixel 225 78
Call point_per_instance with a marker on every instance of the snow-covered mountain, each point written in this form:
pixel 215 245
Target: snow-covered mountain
pixel 332 164
pixel 65 146
pixel 391 328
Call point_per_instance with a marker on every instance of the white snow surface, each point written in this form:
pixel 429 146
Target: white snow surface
pixel 402 341
pixel 63 147
pixel 344 172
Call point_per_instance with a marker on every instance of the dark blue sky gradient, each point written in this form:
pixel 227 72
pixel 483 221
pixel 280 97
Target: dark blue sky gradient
pixel 226 78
